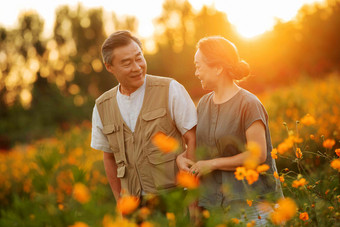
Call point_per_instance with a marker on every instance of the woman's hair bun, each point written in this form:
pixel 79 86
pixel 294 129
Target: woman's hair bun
pixel 241 70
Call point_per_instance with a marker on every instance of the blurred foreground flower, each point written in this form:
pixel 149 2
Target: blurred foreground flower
pixel 127 204
pixel 328 143
pixel 335 164
pixel 262 168
pixel 187 180
pixel 81 193
pixel 253 158
pixel 165 143
pixel 285 211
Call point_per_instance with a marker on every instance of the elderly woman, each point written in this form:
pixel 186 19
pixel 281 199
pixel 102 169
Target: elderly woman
pixel 229 118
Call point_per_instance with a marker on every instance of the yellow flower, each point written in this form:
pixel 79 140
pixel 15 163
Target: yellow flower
pixel 165 143
pixel 206 214
pixel 299 183
pixel 252 176
pixel 274 153
pixel 276 175
pixel 308 120
pixel 328 143
pixel 285 211
pixel 235 220
pixel 249 202
pixel 187 180
pixel 127 204
pixel 254 148
pixel 298 153
pixel 81 193
pixel 240 173
pixel 304 216
pixel 335 164
pixel 170 216
pixel 79 224
pixel 337 152
pixel 262 168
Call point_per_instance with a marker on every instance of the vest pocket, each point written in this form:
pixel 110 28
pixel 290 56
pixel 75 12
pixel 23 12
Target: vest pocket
pixel 163 169
pixel 156 120
pixel 111 132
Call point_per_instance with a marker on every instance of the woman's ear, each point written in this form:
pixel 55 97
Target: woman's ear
pixel 219 70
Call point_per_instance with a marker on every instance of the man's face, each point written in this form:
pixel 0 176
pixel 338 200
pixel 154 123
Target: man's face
pixel 129 67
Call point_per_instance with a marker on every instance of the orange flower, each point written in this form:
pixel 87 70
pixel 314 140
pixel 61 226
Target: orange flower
pixel 170 216
pixel 276 175
pixel 206 214
pixel 240 173
pixel 262 168
pixel 298 153
pixel 79 224
pixel 252 176
pixel 328 143
pixel 81 193
pixel 308 120
pixel 274 153
pixel 251 224
pixel 299 183
pixel 312 137
pixel 165 143
pixel 282 179
pixel 335 164
pixel 146 224
pixel 127 204
pixel 337 152
pixel 285 211
pixel 235 220
pixel 187 180
pixel 283 148
pixel 304 216
pixel 249 202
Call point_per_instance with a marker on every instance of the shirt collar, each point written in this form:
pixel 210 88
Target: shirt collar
pixel 135 93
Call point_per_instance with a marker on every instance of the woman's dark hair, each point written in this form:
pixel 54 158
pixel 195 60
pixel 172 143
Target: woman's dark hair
pixel 220 51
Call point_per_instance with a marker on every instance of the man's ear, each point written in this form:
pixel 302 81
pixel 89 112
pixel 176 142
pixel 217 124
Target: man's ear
pixel 108 67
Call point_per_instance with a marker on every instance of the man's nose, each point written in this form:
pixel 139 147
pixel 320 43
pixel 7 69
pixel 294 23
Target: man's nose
pixel 136 66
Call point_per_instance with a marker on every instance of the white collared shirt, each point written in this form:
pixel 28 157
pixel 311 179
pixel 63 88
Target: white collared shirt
pixel 181 108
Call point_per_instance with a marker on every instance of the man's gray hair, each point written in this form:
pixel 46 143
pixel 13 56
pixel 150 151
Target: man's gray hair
pixel 117 39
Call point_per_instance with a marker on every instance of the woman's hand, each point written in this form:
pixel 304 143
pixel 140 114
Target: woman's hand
pixel 201 167
pixel 183 163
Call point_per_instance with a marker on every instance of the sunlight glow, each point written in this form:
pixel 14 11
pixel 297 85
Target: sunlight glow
pixel 249 17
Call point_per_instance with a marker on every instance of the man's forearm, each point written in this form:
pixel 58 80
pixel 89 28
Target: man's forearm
pixel 111 173
pixel 190 140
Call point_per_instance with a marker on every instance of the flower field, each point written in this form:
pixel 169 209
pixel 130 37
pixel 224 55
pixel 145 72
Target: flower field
pixel 61 181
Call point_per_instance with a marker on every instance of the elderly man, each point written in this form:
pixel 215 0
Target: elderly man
pixel 126 117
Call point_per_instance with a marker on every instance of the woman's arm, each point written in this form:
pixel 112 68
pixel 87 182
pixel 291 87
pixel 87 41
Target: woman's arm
pixel 255 133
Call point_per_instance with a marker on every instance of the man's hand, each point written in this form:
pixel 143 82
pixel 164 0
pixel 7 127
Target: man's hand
pixel 183 163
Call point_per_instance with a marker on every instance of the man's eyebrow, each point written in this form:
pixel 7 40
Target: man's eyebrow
pixel 129 59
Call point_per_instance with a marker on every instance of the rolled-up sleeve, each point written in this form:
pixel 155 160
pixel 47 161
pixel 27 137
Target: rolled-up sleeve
pixel 182 108
pixel 98 139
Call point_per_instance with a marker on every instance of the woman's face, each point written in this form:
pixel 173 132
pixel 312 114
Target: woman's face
pixel 204 72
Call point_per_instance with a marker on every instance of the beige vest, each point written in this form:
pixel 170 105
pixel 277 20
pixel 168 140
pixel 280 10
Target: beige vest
pixel 141 166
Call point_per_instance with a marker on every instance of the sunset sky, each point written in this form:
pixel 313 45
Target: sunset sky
pixel 250 17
